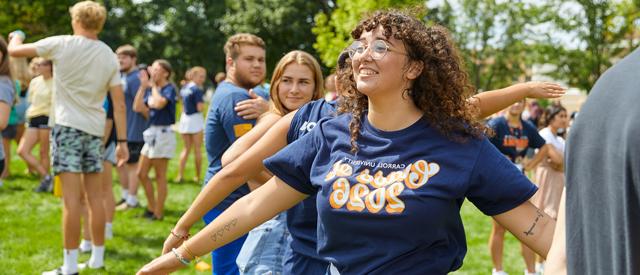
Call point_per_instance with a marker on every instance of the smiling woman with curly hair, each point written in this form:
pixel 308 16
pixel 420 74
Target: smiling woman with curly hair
pixel 390 173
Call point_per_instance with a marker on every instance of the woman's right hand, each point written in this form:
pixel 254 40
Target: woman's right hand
pixel 165 264
pixel 144 79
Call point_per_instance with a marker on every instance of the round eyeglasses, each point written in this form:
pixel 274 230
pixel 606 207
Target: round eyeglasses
pixel 378 49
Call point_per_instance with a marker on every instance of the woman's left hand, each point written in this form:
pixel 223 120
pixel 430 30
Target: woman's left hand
pixel 164 264
pixel 544 90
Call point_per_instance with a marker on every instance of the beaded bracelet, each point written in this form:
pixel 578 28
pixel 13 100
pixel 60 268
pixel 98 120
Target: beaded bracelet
pixel 183 237
pixel 179 257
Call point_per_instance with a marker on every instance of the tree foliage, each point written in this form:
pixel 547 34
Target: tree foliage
pixel 333 31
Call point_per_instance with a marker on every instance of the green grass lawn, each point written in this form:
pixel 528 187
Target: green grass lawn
pixel 31 240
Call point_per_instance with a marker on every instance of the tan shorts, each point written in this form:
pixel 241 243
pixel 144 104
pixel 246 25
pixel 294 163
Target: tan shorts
pixel 159 142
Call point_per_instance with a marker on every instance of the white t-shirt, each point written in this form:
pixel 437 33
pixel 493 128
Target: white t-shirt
pixel 83 71
pixel 550 138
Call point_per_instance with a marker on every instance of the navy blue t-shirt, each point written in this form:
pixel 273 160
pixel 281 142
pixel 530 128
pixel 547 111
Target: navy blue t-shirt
pixel 394 207
pixel 136 123
pixel 302 219
pixel 222 127
pixel 108 107
pixel 513 142
pixel 191 95
pixel 167 115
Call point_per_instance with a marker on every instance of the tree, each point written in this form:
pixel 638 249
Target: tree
pixel 604 31
pixel 34 18
pixel 494 38
pixel 333 31
pixel 284 25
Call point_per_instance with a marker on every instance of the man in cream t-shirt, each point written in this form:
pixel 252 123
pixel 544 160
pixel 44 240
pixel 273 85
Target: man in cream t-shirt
pixel 84 69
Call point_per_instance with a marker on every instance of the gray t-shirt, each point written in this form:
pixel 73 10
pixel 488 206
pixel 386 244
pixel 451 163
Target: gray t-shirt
pixel 7 95
pixel 603 176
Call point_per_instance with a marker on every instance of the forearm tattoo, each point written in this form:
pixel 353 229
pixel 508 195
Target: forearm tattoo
pixel 535 222
pixel 226 228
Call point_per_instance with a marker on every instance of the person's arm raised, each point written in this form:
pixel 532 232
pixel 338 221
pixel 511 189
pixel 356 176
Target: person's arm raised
pixel 491 102
pixel 530 225
pixel 17 49
pixel 245 214
pixel 230 178
pixel 138 101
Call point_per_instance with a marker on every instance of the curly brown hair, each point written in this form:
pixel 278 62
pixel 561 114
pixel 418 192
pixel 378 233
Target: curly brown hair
pixel 440 91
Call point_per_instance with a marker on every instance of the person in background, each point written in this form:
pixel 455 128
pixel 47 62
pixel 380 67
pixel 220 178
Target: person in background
pixel 233 110
pixel 7 95
pixel 514 137
pixel 85 69
pixel 191 122
pixel 14 131
pixel 136 124
pixel 330 88
pixel 40 93
pixel 156 100
pixel 549 176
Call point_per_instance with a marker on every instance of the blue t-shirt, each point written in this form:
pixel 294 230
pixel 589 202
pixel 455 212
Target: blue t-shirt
pixel 7 95
pixel 302 219
pixel 191 95
pixel 222 127
pixel 136 124
pixel 167 115
pixel 108 108
pixel 394 207
pixel 513 142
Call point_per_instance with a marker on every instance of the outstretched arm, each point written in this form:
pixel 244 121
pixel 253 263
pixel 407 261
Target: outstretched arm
pixel 491 102
pixel 230 178
pixel 246 213
pixel 245 142
pixel 530 225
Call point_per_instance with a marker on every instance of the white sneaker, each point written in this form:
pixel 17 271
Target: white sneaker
pixel 530 273
pixel 501 272
pixel 540 268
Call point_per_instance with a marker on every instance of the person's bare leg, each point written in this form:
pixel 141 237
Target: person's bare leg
pixel 184 156
pixel 123 177
pixel 95 199
pixel 132 172
pixel 7 157
pixel 109 200
pixel 197 151
pixel 25 146
pixel 496 244
pixel 143 177
pixel 71 210
pixel 85 243
pixel 43 138
pixel 160 167
pixel 529 258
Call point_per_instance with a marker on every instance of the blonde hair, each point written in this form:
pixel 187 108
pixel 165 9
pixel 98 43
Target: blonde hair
pixel 197 69
pixel 232 46
pixel 301 58
pixel 20 71
pixel 89 14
